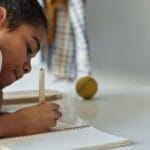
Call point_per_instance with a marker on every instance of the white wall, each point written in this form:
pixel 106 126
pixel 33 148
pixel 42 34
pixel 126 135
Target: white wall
pixel 119 33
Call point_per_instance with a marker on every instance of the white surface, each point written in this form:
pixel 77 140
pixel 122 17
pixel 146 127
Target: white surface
pixel 120 107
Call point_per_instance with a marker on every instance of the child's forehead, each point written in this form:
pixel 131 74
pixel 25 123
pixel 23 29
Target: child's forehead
pixel 38 32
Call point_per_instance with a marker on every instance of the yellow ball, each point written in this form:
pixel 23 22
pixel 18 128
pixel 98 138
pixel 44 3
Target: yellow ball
pixel 86 87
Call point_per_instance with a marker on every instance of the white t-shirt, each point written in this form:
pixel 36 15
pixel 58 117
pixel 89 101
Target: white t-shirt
pixel 1 60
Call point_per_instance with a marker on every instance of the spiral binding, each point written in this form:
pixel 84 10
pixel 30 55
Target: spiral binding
pixel 70 128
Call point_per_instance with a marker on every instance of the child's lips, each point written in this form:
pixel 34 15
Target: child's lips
pixel 18 76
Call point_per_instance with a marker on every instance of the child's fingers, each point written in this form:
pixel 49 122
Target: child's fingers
pixel 58 115
pixel 55 106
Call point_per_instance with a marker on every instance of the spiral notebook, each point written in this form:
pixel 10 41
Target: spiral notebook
pixel 65 137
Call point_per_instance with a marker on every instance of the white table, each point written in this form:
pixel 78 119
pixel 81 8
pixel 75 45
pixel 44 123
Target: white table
pixel 121 111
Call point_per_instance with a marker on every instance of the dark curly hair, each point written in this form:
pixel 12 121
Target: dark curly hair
pixel 21 12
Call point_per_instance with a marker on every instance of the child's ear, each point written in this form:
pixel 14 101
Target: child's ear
pixel 3 15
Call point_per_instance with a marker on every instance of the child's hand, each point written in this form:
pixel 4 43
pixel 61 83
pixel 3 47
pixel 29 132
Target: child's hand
pixel 39 118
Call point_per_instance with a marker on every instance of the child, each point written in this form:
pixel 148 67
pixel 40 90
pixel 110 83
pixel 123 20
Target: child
pixel 23 29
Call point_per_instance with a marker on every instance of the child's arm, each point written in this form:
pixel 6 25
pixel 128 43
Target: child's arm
pixel 35 119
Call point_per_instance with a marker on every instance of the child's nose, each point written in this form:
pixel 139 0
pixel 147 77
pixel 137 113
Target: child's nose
pixel 27 68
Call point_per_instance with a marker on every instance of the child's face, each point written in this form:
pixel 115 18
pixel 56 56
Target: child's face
pixel 18 47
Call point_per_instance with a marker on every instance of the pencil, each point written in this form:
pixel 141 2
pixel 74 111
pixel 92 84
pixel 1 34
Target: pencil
pixel 41 85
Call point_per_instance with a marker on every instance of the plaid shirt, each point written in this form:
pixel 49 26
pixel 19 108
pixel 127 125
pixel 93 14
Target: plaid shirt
pixel 69 56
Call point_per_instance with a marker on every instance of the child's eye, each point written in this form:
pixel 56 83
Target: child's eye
pixel 29 51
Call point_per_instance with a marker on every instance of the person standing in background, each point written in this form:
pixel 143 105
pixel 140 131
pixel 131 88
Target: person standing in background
pixel 67 54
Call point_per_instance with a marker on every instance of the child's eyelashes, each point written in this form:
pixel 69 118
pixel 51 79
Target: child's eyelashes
pixel 29 50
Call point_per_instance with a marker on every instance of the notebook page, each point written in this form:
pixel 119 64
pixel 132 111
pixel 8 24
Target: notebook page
pixel 81 138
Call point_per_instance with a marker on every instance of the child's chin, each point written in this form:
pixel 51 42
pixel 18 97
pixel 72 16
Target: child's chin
pixel 9 83
pixel 4 84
